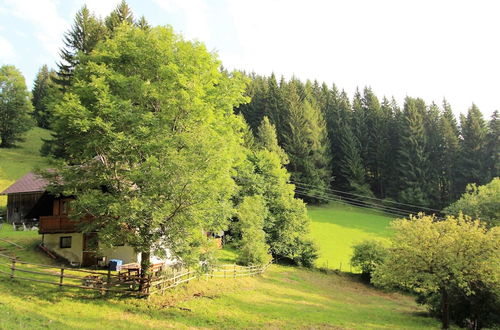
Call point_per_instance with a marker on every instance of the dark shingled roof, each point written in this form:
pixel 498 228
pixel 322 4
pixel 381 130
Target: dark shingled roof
pixel 28 183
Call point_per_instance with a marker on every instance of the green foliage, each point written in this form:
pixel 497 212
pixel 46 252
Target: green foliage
pixel 15 106
pixel 253 249
pixel 438 257
pixel 286 224
pixel 479 202
pixel 266 134
pixel 86 32
pixel 307 298
pixel 473 165
pixel 122 14
pixel 306 143
pixel 151 141
pixel 368 255
pixel 44 96
pixel 413 160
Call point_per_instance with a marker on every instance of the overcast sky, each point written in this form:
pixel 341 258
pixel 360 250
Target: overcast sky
pixel 429 49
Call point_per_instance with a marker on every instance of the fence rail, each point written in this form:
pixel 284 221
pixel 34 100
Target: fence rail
pixel 117 283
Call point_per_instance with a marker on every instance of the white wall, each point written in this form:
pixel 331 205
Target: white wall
pixel 73 254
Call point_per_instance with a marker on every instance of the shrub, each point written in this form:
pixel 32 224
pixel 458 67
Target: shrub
pixel 367 256
pixel 479 202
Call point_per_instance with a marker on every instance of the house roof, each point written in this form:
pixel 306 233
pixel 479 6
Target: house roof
pixel 28 183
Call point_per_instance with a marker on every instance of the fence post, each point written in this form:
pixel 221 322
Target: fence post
pixel 108 279
pixel 340 269
pixel 234 270
pixel 61 277
pixel 13 268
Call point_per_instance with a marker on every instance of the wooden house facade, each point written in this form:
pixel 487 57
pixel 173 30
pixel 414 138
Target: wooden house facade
pixel 29 202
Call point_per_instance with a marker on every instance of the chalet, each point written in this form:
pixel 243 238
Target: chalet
pixel 29 202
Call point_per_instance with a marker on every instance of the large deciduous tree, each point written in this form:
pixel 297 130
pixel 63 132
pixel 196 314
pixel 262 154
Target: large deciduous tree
pixel 438 258
pixel 151 142
pixel 15 106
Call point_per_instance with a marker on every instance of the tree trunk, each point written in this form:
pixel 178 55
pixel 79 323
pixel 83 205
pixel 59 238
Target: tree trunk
pixel 145 269
pixel 445 309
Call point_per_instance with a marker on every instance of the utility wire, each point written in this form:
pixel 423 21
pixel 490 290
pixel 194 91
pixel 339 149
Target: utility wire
pixel 405 211
pixel 368 197
pixel 330 197
pixel 359 204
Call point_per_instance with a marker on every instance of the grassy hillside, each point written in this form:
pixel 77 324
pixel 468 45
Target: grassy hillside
pixel 336 227
pixel 16 162
pixel 284 297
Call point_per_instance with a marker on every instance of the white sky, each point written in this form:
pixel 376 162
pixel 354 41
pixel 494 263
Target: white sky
pixel 429 49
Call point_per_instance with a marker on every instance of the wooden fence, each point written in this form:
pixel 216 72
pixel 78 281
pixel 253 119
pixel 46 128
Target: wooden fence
pixel 120 283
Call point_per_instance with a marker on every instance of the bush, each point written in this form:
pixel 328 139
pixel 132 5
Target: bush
pixel 479 202
pixel 367 256
pixel 306 253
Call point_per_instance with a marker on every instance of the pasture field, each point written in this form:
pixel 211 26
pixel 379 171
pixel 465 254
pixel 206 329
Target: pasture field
pixel 283 297
pixel 336 227
pixel 21 159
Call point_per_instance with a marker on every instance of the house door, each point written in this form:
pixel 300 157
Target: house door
pixel 89 249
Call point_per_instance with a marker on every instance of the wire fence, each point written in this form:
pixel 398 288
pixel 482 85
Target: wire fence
pixel 116 282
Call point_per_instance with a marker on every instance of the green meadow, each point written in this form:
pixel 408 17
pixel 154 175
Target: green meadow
pixel 21 159
pixel 336 227
pixel 283 297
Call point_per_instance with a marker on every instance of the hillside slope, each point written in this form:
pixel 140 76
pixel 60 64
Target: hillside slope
pixel 16 162
pixel 336 227
pixel 283 297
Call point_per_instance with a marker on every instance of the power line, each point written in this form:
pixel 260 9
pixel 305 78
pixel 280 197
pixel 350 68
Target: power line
pixel 359 204
pixel 330 197
pixel 368 197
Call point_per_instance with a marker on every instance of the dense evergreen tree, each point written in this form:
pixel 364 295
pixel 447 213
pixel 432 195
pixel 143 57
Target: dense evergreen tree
pixel 121 14
pixel 44 96
pixel 412 156
pixel 493 147
pixel 434 152
pixel 306 143
pixel 449 154
pixel 473 166
pixel 83 36
pixel 15 106
pixel 413 160
pixel 267 138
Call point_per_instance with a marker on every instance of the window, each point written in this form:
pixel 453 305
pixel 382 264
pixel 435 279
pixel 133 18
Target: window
pixel 65 242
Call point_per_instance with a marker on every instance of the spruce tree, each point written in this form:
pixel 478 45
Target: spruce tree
pixel 143 24
pixel 83 36
pixel 412 154
pixel 473 166
pixel 351 164
pixel 449 154
pixel 254 110
pixel 267 138
pixel 274 107
pixel 434 153
pixel 44 95
pixel 121 14
pixel 493 147
pixel 306 143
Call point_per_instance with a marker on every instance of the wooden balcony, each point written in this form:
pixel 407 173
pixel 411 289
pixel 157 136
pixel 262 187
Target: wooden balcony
pixel 57 224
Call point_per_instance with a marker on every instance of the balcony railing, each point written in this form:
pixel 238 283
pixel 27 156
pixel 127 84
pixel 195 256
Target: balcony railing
pixel 57 224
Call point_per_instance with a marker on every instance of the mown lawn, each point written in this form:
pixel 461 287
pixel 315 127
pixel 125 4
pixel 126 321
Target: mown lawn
pixel 284 297
pixel 21 159
pixel 337 227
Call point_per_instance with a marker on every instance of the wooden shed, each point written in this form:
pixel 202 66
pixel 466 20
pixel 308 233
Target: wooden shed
pixel 27 199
